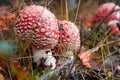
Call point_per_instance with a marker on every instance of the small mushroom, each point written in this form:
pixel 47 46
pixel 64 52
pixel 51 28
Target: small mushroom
pixel 69 38
pixel 105 9
pixel 39 26
pixel 111 10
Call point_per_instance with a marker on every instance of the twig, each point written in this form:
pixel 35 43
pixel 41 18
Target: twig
pixel 61 5
pixel 66 6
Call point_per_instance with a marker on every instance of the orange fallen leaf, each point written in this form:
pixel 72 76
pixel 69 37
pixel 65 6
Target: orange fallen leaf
pixel 85 57
pixel 21 73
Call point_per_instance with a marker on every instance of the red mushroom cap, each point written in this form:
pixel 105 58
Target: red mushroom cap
pixel 39 25
pixel 69 36
pixel 104 10
pixel 114 25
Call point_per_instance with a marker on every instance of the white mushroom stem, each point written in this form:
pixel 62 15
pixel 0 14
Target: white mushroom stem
pixel 50 60
pixel 38 54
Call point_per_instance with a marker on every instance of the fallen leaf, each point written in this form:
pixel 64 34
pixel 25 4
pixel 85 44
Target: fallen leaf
pixel 85 57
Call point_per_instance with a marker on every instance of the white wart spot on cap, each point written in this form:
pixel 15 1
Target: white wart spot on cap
pixel 42 29
pixel 37 30
pixel 55 36
pixel 63 36
pixel 25 16
pixel 33 20
pixel 30 23
pixel 47 33
pixel 29 18
pixel 18 31
pixel 25 27
pixel 28 26
pixel 39 24
pixel 44 44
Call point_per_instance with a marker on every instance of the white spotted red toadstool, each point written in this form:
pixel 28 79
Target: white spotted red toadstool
pixel 112 19
pixel 69 39
pixel 38 25
pixel 69 35
pixel 105 9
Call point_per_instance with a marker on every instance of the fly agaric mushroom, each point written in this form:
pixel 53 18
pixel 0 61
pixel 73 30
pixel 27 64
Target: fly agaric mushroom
pixel 39 26
pixel 69 38
pixel 112 20
pixel 105 9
